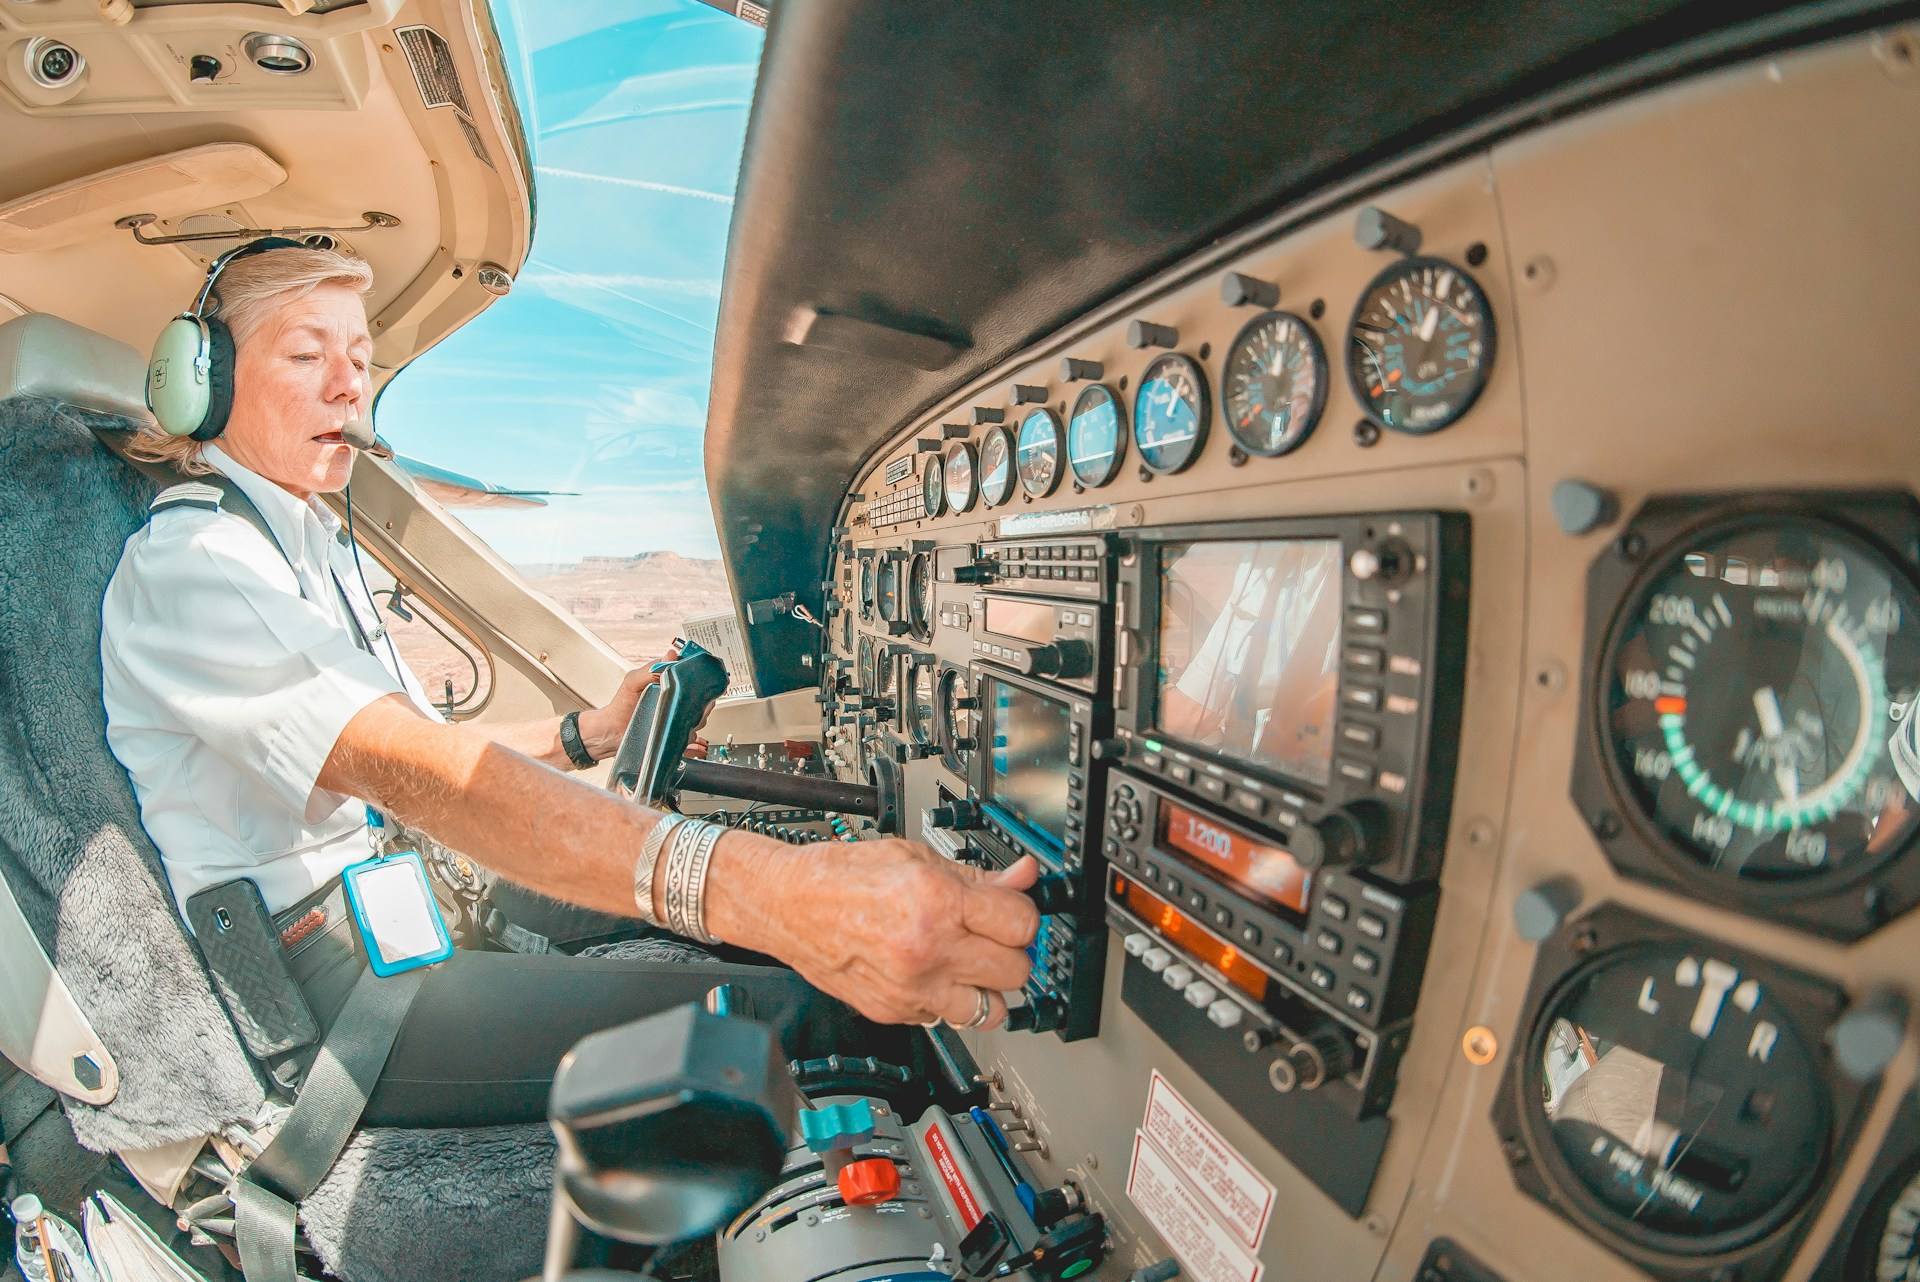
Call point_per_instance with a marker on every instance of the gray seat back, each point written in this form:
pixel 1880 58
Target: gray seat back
pixel 71 845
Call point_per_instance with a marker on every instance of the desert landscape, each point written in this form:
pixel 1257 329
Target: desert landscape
pixel 636 604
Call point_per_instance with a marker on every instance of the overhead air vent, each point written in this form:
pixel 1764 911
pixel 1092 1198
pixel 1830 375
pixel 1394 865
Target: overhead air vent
pixel 437 77
pixel 167 186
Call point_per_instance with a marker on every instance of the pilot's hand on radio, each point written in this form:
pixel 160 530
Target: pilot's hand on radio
pixel 889 927
pixel 601 729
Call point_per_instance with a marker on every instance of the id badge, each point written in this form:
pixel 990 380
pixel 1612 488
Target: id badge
pixel 393 907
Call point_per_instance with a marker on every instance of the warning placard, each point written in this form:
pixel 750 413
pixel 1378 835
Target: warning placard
pixel 1207 1251
pixel 1239 1194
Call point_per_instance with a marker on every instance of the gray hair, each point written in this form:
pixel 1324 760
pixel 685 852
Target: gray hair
pixel 247 293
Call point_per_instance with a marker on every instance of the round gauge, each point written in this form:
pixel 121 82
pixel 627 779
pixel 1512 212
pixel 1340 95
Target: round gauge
pixel 886 587
pixel 920 599
pixel 996 466
pixel 864 672
pixel 1887 1248
pixel 1420 345
pixel 846 631
pixel 1757 701
pixel 1170 413
pixel 922 695
pixel 1095 444
pixel 884 667
pixel 1676 1097
pixel 866 587
pixel 933 487
pixel 1039 452
pixel 956 702
pixel 961 479
pixel 1274 384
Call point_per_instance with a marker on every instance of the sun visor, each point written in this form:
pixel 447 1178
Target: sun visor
pixel 169 186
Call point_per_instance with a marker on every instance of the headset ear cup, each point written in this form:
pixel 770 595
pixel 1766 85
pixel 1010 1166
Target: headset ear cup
pixel 176 393
pixel 219 380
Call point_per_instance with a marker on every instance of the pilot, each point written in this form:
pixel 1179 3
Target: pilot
pixel 265 722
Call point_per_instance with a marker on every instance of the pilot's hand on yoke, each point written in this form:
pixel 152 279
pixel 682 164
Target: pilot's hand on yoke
pixel 601 728
pixel 889 927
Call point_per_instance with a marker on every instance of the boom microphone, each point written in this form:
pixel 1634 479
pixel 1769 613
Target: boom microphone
pixel 359 434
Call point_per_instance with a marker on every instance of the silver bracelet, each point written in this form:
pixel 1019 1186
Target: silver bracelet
pixel 649 860
pixel 687 860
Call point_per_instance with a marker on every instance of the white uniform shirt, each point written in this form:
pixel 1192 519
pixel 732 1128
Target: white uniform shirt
pixel 226 688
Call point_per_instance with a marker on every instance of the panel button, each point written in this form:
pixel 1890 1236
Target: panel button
pixel 1156 959
pixel 1212 787
pixel 1171 883
pixel 1152 761
pixel 1110 847
pixel 1249 803
pixel 1150 873
pixel 1328 942
pixel 1367 697
pixel 1359 999
pixel 1365 962
pixel 1322 977
pixel 1362 618
pixel 1137 943
pixel 1199 994
pixel 1129 860
pixel 1250 934
pixel 1225 1014
pixel 1334 907
pixel 1222 918
pixel 1364 658
pixel 1196 901
pixel 1356 771
pixel 1371 926
pixel 1177 976
pixel 1179 772
pixel 1281 952
pixel 1360 734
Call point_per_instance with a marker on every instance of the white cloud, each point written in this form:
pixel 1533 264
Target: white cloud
pixel 640 184
pixel 555 282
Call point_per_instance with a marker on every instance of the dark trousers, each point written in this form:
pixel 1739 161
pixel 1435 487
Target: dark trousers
pixel 485 1033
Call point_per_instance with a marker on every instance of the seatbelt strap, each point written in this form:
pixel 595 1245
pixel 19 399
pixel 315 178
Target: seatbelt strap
pixel 317 1129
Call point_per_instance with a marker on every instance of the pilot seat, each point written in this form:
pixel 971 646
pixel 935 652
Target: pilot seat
pixel 160 1077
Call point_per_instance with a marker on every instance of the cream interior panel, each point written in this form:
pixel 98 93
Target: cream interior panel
pixel 1700 288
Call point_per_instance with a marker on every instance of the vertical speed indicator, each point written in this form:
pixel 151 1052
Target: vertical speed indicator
pixel 1420 346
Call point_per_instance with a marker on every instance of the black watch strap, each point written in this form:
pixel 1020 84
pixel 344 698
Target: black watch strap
pixel 576 747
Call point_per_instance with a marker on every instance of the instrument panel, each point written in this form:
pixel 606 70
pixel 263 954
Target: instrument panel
pixel 1464 709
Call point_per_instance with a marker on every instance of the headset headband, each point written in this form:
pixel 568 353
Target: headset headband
pixel 219 265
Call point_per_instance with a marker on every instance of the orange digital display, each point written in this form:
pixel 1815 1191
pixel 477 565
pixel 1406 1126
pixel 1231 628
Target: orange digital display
pixel 1267 873
pixel 1181 930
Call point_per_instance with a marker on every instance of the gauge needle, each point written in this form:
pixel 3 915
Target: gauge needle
pixel 1767 705
pixel 1429 323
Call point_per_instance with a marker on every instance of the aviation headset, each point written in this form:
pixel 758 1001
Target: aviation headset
pixel 190 378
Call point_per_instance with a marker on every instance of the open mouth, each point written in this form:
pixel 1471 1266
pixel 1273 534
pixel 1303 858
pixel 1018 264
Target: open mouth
pixel 331 438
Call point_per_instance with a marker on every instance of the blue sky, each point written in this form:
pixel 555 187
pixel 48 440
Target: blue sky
pixel 592 375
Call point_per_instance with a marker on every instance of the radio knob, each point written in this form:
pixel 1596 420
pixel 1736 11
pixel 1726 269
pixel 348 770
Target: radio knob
pixel 1349 835
pixel 1063 659
pixel 1109 749
pixel 1041 1014
pixel 980 571
pixel 1308 1064
pixel 1364 563
pixel 957 815
pixel 1052 894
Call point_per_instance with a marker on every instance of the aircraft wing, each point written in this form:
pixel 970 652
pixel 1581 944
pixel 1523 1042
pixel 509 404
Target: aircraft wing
pixel 452 489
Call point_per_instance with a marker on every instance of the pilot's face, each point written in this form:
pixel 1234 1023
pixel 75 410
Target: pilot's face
pixel 296 381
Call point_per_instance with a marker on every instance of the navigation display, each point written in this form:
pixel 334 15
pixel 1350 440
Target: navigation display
pixel 1249 651
pixel 1027 774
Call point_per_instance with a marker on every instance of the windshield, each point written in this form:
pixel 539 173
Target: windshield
pixel 589 381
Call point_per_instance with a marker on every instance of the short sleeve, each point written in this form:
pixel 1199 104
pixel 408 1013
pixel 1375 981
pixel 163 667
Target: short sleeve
pixel 214 630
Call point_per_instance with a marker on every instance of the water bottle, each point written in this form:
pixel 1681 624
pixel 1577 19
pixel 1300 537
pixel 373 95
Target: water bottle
pixel 26 1239
pixel 64 1244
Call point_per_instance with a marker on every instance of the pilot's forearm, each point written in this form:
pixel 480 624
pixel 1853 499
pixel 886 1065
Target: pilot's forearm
pixel 486 799
pixel 600 731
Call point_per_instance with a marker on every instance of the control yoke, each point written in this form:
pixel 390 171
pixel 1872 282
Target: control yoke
pixel 670 710
pixel 653 767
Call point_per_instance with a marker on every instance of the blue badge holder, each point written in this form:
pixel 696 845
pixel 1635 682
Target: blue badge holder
pixel 395 912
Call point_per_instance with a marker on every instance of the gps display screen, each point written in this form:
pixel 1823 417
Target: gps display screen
pixel 1249 651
